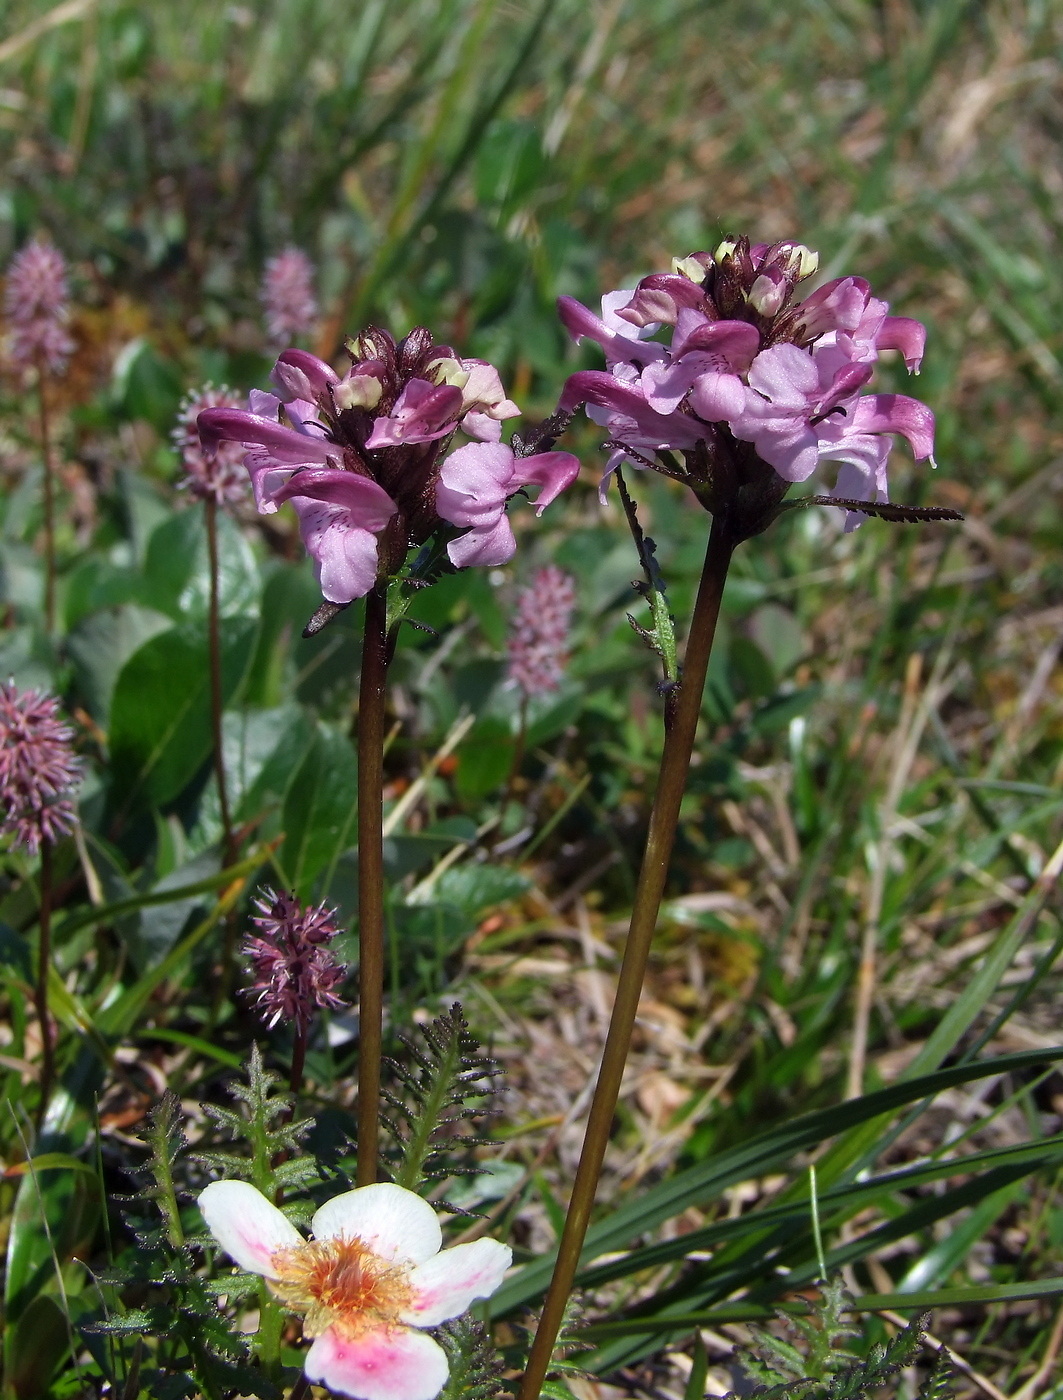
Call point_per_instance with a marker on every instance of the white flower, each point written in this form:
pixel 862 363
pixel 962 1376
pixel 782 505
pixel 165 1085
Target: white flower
pixel 371 1276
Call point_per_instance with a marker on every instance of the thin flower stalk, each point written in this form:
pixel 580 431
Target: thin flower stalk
pixel 38 776
pixel 749 393
pixel 372 699
pixel 37 307
pixel 219 481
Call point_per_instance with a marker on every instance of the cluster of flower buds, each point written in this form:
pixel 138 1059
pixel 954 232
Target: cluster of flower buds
pixel 751 387
pixel 39 771
pixel 362 457
pixel 288 296
pixel 294 971
pixel 219 477
pixel 538 643
pixel 36 304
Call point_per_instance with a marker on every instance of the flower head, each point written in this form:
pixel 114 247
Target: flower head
pixel 363 458
pixel 294 970
pixel 288 296
pixel 38 769
pixel 219 477
pixel 538 641
pixel 370 1278
pixel 752 387
pixel 36 304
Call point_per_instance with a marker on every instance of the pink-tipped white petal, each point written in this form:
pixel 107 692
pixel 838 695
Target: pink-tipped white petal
pixel 248 1227
pixel 392 1364
pixel 446 1285
pixel 394 1223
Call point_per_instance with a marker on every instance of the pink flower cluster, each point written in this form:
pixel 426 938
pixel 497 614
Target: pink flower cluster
pixel 288 296
pixel 38 769
pixel 219 477
pixel 295 973
pixel 538 643
pixel 361 457
pixel 36 304
pixel 748 375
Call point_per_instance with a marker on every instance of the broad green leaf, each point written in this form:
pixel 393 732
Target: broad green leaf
pixel 160 715
pixel 320 810
pixel 177 571
pixel 102 643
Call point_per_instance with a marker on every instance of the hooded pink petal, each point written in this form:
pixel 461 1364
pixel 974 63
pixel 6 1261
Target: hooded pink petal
pixel 447 1284
pixel 423 412
pixel 300 375
pixel 248 1227
pixel 284 446
pixel 896 413
pixel 551 471
pixel 393 1363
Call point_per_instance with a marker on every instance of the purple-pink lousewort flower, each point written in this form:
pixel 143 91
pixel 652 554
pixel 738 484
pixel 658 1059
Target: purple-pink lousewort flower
pixel 219 477
pixel 36 306
pixel 38 769
pixel 362 457
pixel 538 642
pixel 288 296
pixel 294 971
pixel 752 388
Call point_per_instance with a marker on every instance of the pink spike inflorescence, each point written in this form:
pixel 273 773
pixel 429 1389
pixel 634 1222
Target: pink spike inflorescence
pixel 288 296
pixel 38 769
pixel 36 305
pixel 538 644
pixel 221 476
pixel 294 971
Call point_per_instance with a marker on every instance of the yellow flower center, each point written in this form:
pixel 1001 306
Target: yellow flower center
pixel 341 1283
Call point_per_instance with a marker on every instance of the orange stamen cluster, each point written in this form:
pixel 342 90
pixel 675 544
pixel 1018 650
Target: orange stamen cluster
pixel 341 1283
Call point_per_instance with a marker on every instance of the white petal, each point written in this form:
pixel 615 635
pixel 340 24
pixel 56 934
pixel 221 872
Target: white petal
pixel 392 1364
pixel 446 1285
pixel 393 1222
pixel 248 1227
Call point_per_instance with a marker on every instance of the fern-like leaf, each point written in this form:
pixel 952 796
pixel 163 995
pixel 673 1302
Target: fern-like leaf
pixel 440 1084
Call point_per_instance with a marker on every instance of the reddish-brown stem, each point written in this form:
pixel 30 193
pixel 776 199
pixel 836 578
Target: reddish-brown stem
pixel 664 818
pixel 49 497
pixel 216 703
pixel 44 963
pixel 371 700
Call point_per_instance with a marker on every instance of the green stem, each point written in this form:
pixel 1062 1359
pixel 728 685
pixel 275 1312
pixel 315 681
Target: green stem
pixel 295 1076
pixel 49 498
pixel 371 878
pixel 675 761
pixel 44 963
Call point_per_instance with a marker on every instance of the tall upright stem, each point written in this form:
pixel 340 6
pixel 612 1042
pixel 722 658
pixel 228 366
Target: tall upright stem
pixel 44 963
pixel 216 708
pixel 675 761
pixel 371 878
pixel 49 496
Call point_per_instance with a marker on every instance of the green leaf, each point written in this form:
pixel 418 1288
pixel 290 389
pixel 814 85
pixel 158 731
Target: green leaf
pixel 320 810
pixel 484 758
pixel 177 568
pixel 767 1152
pixel 160 716
pixel 102 643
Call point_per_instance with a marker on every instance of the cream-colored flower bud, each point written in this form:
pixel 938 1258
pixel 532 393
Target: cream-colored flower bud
pixel 725 249
pixel 690 268
pixel 447 370
pixel 360 391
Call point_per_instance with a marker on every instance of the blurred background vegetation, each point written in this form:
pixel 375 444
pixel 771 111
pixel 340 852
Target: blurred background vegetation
pixel 879 773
